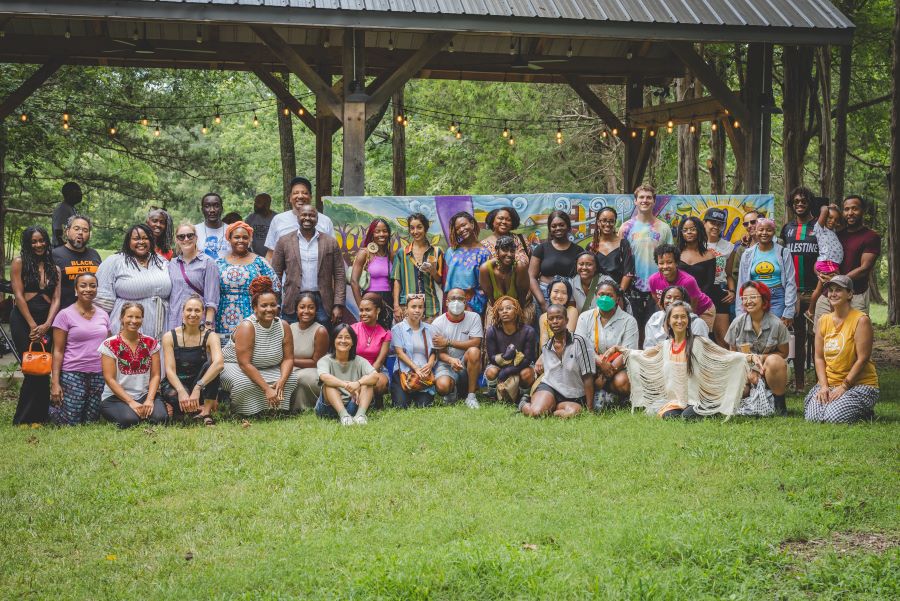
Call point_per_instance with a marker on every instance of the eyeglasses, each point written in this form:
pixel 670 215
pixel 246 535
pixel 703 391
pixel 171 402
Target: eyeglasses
pixel 184 237
pixel 608 221
pixel 749 223
pixel 752 297
pixel 78 228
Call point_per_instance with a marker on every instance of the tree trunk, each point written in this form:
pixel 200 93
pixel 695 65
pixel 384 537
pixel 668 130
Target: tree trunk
pixel 840 123
pixel 3 142
pixel 893 229
pixel 687 88
pixel 823 67
pixel 716 162
pixel 286 144
pixel 797 67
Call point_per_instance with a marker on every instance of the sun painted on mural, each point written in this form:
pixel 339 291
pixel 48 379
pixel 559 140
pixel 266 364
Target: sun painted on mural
pixel 352 214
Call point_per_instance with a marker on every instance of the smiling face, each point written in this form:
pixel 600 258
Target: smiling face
pixel 750 220
pixel 667 266
pixel 800 205
pixel 752 301
pixel 132 319
pixel 671 295
pixel 139 242
pixel 606 221
pixel 765 233
pixel 211 206
pixel 713 230
pixel 586 267
pixel 558 294
pixel 837 295
pixel 307 217
pixel 343 343
pixel 186 239
pixel 368 314
pixel 465 230
pixel 834 219
pixel 266 308
pixel 559 229
pixel 306 311
pixel 300 195
pixel 38 244
pixel 192 313
pixel 502 223
pixel 157 223
pixel 86 288
pixel 556 319
pixel 678 320
pixel 240 241
pixel 505 257
pixel 689 232
pixel 381 235
pixel 416 230
pixel 853 212
pixel 643 201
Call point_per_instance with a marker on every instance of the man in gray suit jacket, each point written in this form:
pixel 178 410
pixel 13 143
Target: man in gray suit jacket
pixel 310 261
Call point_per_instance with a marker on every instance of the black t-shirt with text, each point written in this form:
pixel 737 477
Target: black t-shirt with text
pixel 800 241
pixel 70 264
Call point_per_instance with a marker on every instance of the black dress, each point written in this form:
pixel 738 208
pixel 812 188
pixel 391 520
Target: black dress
pixel 618 263
pixel 705 274
pixel 34 396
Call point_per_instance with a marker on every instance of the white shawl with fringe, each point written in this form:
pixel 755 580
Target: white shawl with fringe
pixel 716 385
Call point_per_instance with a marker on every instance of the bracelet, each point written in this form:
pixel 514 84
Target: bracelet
pixel 846 384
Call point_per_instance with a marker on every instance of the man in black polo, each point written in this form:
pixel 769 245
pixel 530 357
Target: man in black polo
pixel 74 256
pixel 800 240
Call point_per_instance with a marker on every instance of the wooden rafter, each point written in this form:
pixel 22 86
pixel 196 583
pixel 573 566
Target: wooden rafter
pixel 299 67
pixel 18 96
pixel 594 102
pixel 680 112
pixel 412 65
pixel 643 159
pixel 285 96
pixel 710 79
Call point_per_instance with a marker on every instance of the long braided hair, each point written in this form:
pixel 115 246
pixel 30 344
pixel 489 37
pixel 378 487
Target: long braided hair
pixel 129 254
pixel 31 262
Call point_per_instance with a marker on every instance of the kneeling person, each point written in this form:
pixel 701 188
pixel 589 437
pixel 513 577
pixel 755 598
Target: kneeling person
pixel 568 364
pixel 457 338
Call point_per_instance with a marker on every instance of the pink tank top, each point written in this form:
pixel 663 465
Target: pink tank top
pixel 379 272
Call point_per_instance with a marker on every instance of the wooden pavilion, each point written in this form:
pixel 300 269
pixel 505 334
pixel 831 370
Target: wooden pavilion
pixel 355 55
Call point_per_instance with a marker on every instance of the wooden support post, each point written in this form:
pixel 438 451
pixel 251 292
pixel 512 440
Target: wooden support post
pixel 634 98
pixel 642 160
pixel 594 102
pixel 765 130
pixel 286 147
pixel 354 109
pixel 752 97
pixel 398 146
pixel 707 75
pixel 18 96
pixel 299 67
pixel 286 98
pixel 326 125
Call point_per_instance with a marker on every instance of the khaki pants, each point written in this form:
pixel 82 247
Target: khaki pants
pixel 859 302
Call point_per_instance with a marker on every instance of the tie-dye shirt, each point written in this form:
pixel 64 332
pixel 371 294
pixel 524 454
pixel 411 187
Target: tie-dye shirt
pixel 643 239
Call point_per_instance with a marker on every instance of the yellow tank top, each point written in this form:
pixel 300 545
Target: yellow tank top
pixel 840 351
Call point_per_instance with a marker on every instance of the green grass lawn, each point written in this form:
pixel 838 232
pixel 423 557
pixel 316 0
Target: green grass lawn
pixel 448 503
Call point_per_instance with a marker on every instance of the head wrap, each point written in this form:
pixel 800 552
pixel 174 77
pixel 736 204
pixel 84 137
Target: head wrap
pixel 236 225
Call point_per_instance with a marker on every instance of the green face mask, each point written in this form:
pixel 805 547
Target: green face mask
pixel 606 303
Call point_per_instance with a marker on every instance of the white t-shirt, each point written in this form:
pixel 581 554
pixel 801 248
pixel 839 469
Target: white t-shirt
pixel 286 223
pixel 212 241
pixel 469 327
pixel 722 250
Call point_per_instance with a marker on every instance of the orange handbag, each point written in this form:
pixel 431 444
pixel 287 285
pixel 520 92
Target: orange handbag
pixel 36 363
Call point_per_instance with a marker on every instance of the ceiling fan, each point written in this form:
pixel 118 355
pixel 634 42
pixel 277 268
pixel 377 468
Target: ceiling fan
pixel 143 46
pixel 535 64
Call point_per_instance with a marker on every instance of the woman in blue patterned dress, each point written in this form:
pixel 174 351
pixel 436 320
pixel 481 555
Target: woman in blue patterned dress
pixel 236 271
pixel 463 259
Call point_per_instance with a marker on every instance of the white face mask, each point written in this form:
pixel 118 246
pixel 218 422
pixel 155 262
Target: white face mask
pixel 456 307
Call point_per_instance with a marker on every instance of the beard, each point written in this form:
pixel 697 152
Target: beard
pixel 76 244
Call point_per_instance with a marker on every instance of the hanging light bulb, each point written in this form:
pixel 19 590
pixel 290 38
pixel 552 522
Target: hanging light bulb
pixel 68 33
pixel 512 48
pixel 199 38
pixel 112 129
pixel 301 111
pixel 405 122
pixel 693 128
pixel 399 118
pixel 603 134
pixel 452 126
pixel 736 124
pixel 286 111
pixel 144 121
pixel 670 124
pixel 65 125
pixel 218 117
pixel 512 141
pixel 615 131
pixel 505 133
pixel 326 43
pixel 255 120
pixel 65 116
pixel 391 43
pixel 714 126
pixel 135 35
pixel 651 132
pixel 458 133
pixel 157 131
pixel 559 135
pixel 23 117
pixel 669 128
pixel 204 130
pixel 634 133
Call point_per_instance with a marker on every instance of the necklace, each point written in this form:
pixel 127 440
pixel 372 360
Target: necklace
pixel 678 349
pixel 368 334
pixel 86 314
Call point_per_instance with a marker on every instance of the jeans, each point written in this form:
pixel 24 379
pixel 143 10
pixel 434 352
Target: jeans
pixel 324 410
pixel 777 305
pixel 117 411
pixel 402 399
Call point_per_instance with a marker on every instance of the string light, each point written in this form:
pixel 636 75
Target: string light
pixel 204 130
pixel 736 124
pixel 399 118
pixel 286 111
pixel 505 133
pixel 670 124
pixel 135 35
pixel 144 121
pixel 23 117
pixel 199 37
pixel 669 128
pixel 603 134
pixel 569 52
pixel 693 128
pixel 218 117
pixel 112 129
pixel 634 133
pixel 615 131
pixel 65 126
pixel 391 44
pixel 301 111
pixel 714 126
pixel 405 122
pixel 512 48
pixel 459 133
pixel 68 33
pixel 651 132
pixel 452 126
pixel 450 48
pixel 157 131
pixel 512 140
pixel 255 120
pixel 559 134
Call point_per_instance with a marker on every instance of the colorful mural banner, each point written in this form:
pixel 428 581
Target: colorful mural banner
pixel 353 214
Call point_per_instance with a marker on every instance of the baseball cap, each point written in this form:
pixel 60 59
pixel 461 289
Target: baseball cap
pixel 714 215
pixel 842 281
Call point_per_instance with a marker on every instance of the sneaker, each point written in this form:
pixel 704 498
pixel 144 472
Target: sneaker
pixel 450 397
pixel 347 420
pixel 525 400
pixel 603 400
pixel 491 394
pixel 360 420
pixel 472 401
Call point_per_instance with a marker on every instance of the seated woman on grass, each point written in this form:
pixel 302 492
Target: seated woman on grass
pixel 348 380
pixel 193 359
pixel 687 375
pixel 511 345
pixel 259 358
pixel 655 332
pixel 310 344
pixel 131 370
pixel 567 362
pixel 667 257
pixel 412 340
pixel 560 293
pixel 759 333
pixel 374 342
pixel 605 326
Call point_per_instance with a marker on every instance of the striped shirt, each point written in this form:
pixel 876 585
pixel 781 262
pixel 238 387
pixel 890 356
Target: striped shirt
pixel 268 350
pixel 414 281
pixel 564 373
pixel 800 240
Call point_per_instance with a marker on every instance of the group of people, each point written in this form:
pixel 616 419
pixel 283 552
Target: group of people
pixel 254 313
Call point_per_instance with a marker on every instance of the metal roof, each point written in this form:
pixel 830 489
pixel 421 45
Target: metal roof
pixel 778 21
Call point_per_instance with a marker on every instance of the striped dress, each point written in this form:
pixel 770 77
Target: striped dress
pixel 246 397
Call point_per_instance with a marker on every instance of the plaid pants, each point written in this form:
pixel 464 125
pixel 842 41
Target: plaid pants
pixel 81 398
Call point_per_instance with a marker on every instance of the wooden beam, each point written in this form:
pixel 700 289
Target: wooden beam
pixel 680 112
pixel 738 142
pixel 18 96
pixel 642 160
pixel 707 75
pixel 285 96
pixel 634 98
pixel 326 125
pixel 299 67
pixel 412 65
pixel 594 102
pixel 354 112
pixel 398 146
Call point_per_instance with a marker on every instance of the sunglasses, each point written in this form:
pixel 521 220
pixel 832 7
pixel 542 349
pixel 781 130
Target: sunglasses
pixel 183 237
pixel 748 223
